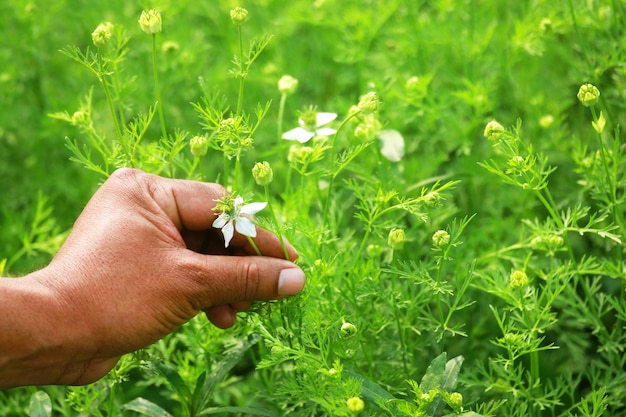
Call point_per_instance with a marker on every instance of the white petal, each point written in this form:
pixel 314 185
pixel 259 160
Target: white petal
pixel 245 227
pixel 228 231
pixel 299 134
pixel 325 131
pixel 323 118
pixel 253 208
pixel 393 145
pixel 220 221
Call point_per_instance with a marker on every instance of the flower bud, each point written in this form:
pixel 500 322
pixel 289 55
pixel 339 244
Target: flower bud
pixel 517 162
pixel 369 103
pixel 493 130
pixel 599 125
pixel 238 15
pixel 287 84
pixel 412 83
pixel 150 21
pixel 355 405
pixel 262 173
pixel 441 238
pixel 588 94
pixel 102 34
pixel 396 238
pixel 456 400
pixel 79 117
pixel 199 146
pixel 518 279
pixel 546 121
pixel 347 330
pixel 170 47
pixel 432 199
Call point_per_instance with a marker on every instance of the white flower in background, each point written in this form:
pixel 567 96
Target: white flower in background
pixel 392 145
pixel 232 217
pixel 311 124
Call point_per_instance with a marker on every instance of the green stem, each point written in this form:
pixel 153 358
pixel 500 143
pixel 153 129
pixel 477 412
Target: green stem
pixel 237 168
pixel 107 93
pixel 241 72
pixel 281 113
pixel 275 220
pixel 254 246
pixel 331 180
pixel 157 90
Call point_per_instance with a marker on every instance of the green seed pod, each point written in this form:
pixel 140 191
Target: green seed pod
pixel 493 130
pixel 518 279
pixel 441 238
pixel 238 15
pixel 150 21
pixel 347 330
pixel 102 34
pixel 287 84
pixel 396 238
pixel 199 146
pixel 262 173
pixel 355 405
pixel 588 94
pixel 369 103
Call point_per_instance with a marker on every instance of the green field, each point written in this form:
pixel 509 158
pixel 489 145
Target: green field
pixel 462 231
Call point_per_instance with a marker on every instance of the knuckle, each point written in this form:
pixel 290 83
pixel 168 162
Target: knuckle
pixel 250 279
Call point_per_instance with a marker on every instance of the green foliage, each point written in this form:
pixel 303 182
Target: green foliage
pixel 504 253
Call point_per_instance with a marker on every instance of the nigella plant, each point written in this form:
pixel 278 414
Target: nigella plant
pixel 233 217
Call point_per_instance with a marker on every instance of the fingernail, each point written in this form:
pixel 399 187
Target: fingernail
pixel 290 281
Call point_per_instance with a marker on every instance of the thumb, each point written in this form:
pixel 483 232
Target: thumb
pixel 229 279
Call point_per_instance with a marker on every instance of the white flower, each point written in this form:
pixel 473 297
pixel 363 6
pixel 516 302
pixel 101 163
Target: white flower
pixel 310 127
pixel 392 145
pixel 232 218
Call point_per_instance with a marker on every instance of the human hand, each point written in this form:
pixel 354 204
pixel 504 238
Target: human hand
pixel 130 272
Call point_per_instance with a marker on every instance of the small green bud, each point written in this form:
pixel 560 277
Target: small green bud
pixel 169 47
pixel 287 84
pixel 150 21
pixel 262 173
pixel 373 251
pixel 493 130
pixel 102 34
pixel 369 103
pixel 238 15
pixel 396 238
pixel 432 199
pixel 456 400
pixel 599 125
pixel 554 241
pixel 355 405
pixel 79 117
pixel 441 238
pixel 518 279
pixel 199 146
pixel 412 83
pixel 517 162
pixel 546 121
pixel 588 94
pixel 347 330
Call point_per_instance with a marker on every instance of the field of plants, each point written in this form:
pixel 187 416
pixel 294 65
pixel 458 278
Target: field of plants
pixel 452 174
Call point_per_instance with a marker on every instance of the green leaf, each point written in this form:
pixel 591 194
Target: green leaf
pixel 219 372
pixel 371 391
pixel 176 381
pixel 434 374
pixel 233 410
pixel 40 405
pixel 145 407
pixel 447 383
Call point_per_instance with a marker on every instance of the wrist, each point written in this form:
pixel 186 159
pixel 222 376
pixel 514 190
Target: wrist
pixel 33 335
